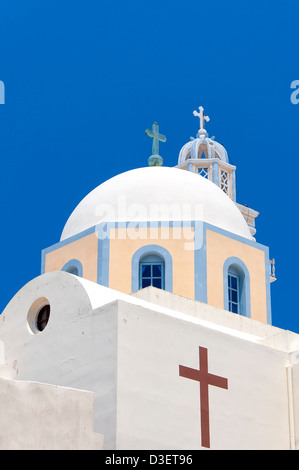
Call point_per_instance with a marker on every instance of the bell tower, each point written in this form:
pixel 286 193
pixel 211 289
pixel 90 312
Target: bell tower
pixel 209 159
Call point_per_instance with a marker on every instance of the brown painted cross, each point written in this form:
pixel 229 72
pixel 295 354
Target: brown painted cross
pixel 205 379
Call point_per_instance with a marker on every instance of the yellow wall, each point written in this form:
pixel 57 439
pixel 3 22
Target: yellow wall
pixel 219 248
pixel 125 242
pixel 85 250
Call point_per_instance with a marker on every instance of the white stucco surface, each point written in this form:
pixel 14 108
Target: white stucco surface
pixel 157 194
pixel 126 350
pixel 36 416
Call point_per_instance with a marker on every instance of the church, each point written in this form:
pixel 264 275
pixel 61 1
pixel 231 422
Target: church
pixel 149 327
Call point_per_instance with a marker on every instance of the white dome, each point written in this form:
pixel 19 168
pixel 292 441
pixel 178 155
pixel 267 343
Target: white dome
pixel 157 194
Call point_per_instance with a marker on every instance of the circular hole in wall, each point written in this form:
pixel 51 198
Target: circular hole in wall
pixel 38 315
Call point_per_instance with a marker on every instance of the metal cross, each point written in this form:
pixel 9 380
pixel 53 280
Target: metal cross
pixel 202 117
pixel 154 134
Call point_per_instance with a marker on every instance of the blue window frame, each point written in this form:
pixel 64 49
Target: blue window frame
pixel 153 255
pixel 233 293
pixel 74 266
pixel 236 287
pixel 73 270
pixel 151 274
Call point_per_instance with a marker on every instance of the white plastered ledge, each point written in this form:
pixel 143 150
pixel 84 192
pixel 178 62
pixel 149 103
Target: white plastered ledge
pixel 73 299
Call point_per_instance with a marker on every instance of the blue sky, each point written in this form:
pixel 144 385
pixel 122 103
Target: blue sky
pixel 84 79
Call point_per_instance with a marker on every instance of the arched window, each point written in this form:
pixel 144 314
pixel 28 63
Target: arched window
pixel 73 270
pixel 151 272
pixel 236 282
pixel 73 267
pixel 152 266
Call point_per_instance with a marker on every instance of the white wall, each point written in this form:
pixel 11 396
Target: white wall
pixel 37 416
pixel 77 348
pixel 127 352
pixel 158 409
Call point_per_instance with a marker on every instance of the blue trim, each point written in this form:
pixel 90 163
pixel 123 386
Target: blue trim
pixel 200 255
pixel 215 172
pixel 233 236
pixel 62 243
pixel 200 263
pixel 153 258
pixel 103 233
pixel 236 266
pixel 73 263
pixel 171 224
pixel 151 250
pixel 258 246
pixel 43 263
pixel 69 240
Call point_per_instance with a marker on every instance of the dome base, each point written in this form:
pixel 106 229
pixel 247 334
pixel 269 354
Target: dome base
pixel 155 160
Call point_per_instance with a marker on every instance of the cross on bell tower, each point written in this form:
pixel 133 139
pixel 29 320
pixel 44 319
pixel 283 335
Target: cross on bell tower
pixel 202 119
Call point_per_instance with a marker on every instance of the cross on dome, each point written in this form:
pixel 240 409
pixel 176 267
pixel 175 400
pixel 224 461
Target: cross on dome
pixel 155 159
pixel 202 119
